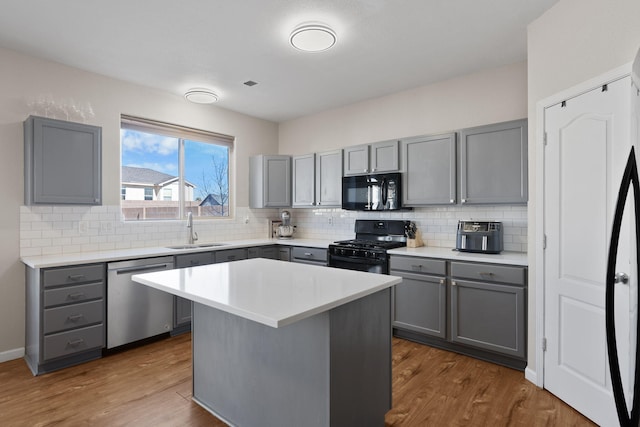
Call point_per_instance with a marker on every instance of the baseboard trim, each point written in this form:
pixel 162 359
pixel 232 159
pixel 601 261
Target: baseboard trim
pixel 531 375
pixel 16 353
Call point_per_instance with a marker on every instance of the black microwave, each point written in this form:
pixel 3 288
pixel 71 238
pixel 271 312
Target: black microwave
pixel 381 192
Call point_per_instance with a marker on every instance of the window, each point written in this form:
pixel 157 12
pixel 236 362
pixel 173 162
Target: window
pixel 169 170
pixel 123 193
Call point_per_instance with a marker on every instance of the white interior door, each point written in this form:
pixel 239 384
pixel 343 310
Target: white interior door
pixel 587 146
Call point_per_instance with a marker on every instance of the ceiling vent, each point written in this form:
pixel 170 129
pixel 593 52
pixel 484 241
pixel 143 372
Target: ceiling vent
pixel 250 83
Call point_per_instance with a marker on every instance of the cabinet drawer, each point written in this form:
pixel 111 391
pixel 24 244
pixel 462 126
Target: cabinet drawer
pixel 191 260
pixel 73 316
pixel 73 275
pixel 310 254
pixel 231 255
pixel 73 294
pixel 489 272
pixel 75 341
pixel 419 265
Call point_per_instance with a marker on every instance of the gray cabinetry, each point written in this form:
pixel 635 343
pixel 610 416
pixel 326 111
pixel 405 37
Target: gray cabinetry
pixel 379 157
pixel 430 170
pixel 65 322
pixel 317 180
pixel 269 252
pixel 489 314
pixel 62 162
pixel 270 181
pixel 314 256
pixel 228 255
pixel 420 301
pixel 284 253
pixel 493 163
pixel 181 306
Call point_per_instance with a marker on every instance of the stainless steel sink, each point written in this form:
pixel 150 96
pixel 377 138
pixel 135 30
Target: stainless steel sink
pixel 195 245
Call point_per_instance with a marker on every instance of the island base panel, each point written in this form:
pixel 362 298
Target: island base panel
pixel 332 369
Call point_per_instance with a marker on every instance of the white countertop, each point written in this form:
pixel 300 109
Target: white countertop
pixel 508 258
pixel 274 293
pixel 45 261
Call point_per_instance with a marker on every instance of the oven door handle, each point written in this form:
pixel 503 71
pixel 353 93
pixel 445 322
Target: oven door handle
pixel 357 260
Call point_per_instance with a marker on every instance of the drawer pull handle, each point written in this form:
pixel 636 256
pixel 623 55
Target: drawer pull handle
pixel 193 262
pixel 75 317
pixel 76 295
pixel 486 273
pixel 75 343
pixel 417 267
pixel 308 254
pixel 75 277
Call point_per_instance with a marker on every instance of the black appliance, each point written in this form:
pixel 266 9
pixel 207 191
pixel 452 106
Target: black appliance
pixel 480 236
pixel 380 192
pixel 368 251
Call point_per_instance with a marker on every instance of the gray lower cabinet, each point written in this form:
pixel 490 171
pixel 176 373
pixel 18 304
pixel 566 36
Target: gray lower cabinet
pixel 489 311
pixel 430 170
pixel 478 309
pixel 62 162
pixel 284 253
pixel 229 255
pixel 419 303
pixel 65 322
pixel 493 163
pixel 181 306
pixel 269 252
pixel 270 181
pixel 306 255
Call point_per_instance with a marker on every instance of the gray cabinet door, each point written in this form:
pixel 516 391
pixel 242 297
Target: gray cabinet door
pixel 420 304
pixel 356 160
pixel 62 162
pixel 329 179
pixel 493 163
pixel 182 306
pixel 304 181
pixel 385 157
pixel 230 255
pixel 430 170
pixel 270 181
pixel 269 252
pixel 488 316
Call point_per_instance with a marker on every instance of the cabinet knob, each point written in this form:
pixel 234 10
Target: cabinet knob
pixel 463 201
pixel 373 170
pixel 442 281
pixel 311 204
pixel 453 283
pixel 365 170
pixel 452 200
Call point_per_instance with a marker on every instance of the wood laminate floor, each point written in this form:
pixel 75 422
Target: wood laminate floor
pixel 151 386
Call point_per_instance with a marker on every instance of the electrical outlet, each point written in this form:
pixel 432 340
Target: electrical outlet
pixel 330 220
pixel 106 227
pixel 83 227
pixel 246 220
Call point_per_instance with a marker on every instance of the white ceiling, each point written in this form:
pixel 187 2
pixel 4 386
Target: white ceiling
pixel 384 46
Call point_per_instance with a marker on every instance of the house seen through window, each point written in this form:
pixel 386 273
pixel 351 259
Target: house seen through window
pixel 168 171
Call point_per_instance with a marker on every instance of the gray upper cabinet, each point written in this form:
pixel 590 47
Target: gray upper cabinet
pixel 270 181
pixel 317 180
pixel 62 162
pixel 493 163
pixel 430 170
pixel 329 179
pixel 379 157
pixel 304 179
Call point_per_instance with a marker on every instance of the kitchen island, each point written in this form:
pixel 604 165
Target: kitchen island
pixel 286 344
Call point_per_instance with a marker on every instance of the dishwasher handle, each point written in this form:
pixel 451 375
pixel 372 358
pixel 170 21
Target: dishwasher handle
pixel 141 268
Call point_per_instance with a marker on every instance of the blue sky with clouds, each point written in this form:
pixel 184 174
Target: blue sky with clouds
pixel 160 153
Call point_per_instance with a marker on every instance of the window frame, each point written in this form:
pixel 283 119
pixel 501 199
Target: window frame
pixel 184 133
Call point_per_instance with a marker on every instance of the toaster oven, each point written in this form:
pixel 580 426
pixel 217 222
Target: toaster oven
pixel 480 236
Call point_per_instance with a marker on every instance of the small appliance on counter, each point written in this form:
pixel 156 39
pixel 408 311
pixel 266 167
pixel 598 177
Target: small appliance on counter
pixel 285 229
pixel 480 236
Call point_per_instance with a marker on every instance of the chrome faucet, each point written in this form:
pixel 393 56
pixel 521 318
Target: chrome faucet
pixel 193 236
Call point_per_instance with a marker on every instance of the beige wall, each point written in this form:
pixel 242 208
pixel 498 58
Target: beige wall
pixel 487 97
pixel 23 81
pixel 574 41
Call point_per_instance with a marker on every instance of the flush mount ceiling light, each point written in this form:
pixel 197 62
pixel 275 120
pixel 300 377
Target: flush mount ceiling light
pixel 201 96
pixel 312 37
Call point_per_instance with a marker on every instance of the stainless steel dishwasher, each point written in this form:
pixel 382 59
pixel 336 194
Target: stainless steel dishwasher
pixel 135 311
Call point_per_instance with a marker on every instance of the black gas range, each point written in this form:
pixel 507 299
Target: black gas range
pixel 368 251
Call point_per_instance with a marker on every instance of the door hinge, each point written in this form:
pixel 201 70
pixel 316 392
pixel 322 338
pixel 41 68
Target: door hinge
pixel 544 241
pixel 544 139
pixel 544 344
